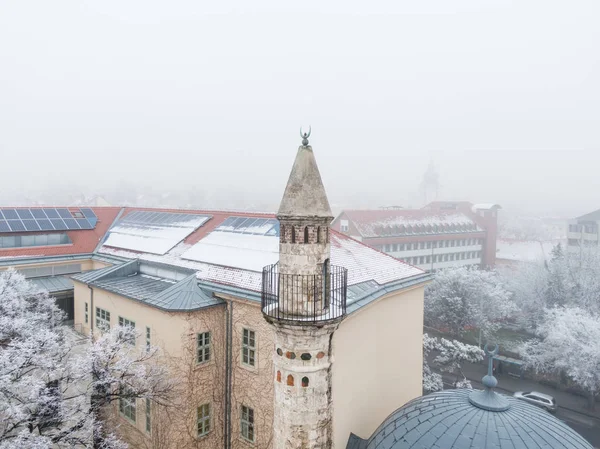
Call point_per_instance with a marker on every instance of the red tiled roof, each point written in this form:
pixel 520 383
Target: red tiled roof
pixel 371 223
pixel 84 241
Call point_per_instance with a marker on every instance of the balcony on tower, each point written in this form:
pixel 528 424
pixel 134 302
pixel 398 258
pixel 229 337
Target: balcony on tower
pixel 304 298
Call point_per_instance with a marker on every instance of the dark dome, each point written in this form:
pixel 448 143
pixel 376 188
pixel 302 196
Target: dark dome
pixel 449 420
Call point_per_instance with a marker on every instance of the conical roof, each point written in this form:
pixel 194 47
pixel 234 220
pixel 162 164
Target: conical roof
pixel 304 194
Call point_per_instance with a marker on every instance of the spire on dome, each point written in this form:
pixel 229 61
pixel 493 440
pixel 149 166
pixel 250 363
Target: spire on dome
pixel 304 195
pixel 488 399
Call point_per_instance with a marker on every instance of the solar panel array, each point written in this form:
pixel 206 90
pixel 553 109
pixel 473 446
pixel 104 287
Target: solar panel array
pixel 153 232
pixel 164 219
pixel 46 219
pixel 252 225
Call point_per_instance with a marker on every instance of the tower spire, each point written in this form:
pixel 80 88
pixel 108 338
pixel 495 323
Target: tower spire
pixel 304 299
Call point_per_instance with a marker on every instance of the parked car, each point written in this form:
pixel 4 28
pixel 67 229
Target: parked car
pixel 540 399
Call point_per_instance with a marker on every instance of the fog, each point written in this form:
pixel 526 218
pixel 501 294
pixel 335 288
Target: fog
pixel 150 97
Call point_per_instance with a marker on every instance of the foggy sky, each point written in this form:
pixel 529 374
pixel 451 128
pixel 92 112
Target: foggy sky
pixel 503 96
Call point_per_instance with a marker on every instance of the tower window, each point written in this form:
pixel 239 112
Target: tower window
pixel 305 234
pixel 203 419
pixel 278 376
pixel 318 234
pixel 282 233
pixel 305 382
pixel 249 348
pixel 202 347
pixel 293 234
pixel 290 380
pixel 247 423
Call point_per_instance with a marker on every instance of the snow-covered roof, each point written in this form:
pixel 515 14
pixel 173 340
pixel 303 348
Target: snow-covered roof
pixel 486 206
pixel 524 250
pixel 381 223
pixel 153 232
pixel 237 260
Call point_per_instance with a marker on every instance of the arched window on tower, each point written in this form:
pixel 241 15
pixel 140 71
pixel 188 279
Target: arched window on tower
pixel 290 380
pixel 282 233
pixel 305 234
pixel 293 234
pixel 318 234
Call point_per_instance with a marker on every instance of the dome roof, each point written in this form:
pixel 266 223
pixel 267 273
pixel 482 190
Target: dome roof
pixel 453 419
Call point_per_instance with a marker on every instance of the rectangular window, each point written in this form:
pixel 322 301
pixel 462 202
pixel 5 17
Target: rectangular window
pixel 344 225
pixel 401 247
pixel 573 228
pixel 247 423
pixel 86 313
pixel 127 406
pixel 394 247
pixel 203 347
pixel 428 245
pixel 452 243
pixel 422 245
pixel 148 340
pixel 124 322
pixel 421 260
pixel 203 420
pixel 148 416
pixel 427 259
pixel 102 319
pixel 248 347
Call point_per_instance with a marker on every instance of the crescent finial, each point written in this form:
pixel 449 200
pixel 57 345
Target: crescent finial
pixel 305 136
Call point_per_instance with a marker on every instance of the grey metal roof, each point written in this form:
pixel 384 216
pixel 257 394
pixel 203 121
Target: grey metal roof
pixel 53 284
pixel 137 286
pixel 447 420
pixel 123 269
pixel 592 216
pixel 129 280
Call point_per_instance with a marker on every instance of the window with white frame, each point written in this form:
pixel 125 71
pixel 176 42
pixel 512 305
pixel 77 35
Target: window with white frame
pixel 148 416
pixel 203 419
pixel 247 423
pixel 249 347
pixel 87 315
pixel 148 339
pixel 203 347
pixel 102 319
pixel 344 225
pixel 124 322
pixel 127 405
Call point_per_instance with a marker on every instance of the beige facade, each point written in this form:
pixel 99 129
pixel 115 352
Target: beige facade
pixel 196 384
pixel 377 363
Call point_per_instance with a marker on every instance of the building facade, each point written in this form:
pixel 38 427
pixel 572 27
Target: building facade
pixel 191 283
pixel 582 234
pixel 441 235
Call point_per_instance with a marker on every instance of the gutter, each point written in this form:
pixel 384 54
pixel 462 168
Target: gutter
pixel 10 261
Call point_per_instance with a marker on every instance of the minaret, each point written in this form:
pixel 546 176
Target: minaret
pixel 430 185
pixel 304 298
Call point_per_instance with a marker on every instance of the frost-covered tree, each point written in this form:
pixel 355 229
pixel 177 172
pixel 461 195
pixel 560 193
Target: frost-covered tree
pixel 54 388
pixel 569 343
pixel 462 298
pixel 570 280
pixel 449 356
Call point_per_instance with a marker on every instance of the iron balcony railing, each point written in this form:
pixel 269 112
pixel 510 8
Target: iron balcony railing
pixel 304 298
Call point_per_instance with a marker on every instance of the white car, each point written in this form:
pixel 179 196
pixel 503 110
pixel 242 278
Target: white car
pixel 540 399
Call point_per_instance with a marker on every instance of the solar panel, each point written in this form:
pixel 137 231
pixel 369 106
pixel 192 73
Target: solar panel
pixel 16 225
pixel 31 225
pixel 83 223
pixel 90 215
pixel 4 226
pixel 58 224
pixel 10 214
pixel 71 223
pixel 24 214
pixel 45 225
pixel 64 213
pixel 38 213
pixel 250 225
pixel 51 213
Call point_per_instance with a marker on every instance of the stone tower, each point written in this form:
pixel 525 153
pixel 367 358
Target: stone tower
pixel 430 185
pixel 304 298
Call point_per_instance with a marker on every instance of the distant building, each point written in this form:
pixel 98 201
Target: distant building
pixel 582 233
pixel 512 251
pixel 430 185
pixel 441 235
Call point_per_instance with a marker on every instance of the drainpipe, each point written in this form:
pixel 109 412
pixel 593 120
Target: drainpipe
pixel 91 311
pixel 228 373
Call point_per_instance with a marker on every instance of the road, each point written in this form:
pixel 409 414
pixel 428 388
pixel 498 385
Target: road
pixel 587 426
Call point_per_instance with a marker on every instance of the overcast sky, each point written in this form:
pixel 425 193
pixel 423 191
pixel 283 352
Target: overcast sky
pixel 503 96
